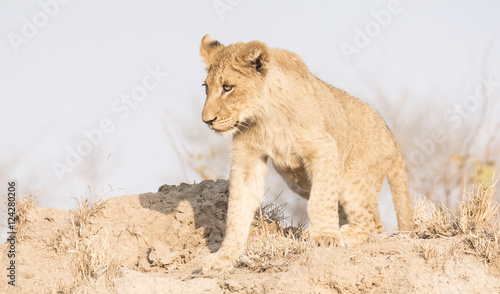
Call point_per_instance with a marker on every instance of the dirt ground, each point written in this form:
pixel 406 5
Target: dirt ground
pixel 153 242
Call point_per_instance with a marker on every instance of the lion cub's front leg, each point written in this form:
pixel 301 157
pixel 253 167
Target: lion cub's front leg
pixel 322 207
pixel 246 189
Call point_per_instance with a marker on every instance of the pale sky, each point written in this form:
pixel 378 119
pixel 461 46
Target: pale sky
pixel 131 68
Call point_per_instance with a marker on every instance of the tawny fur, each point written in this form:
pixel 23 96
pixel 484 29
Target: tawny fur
pixel 330 147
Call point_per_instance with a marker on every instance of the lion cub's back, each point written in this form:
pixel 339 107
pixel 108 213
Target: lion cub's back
pixel 371 137
pixel 289 62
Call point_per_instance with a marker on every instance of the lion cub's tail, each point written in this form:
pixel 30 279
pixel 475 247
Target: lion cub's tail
pixel 398 180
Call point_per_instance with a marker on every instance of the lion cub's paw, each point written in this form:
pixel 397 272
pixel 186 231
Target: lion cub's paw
pixel 328 240
pixel 354 235
pixel 217 261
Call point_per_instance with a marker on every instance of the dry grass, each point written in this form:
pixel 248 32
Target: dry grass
pixel 437 254
pixel 86 209
pixel 432 220
pixel 91 252
pixel 475 222
pixel 477 210
pixel 272 244
pixel 429 251
pixel 23 209
pixel 94 258
pixel 87 245
pixel 472 228
pixel 272 249
pixel 81 239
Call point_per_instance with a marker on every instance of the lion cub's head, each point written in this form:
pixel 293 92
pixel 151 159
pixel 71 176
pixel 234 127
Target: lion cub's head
pixel 234 83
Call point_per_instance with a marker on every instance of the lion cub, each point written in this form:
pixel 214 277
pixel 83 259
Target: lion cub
pixel 330 147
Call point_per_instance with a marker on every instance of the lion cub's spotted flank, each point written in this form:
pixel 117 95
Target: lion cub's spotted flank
pixel 330 147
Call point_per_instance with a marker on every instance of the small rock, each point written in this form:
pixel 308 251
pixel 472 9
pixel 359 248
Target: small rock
pixel 161 255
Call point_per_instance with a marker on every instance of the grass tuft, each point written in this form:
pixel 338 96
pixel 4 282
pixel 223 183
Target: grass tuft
pixel 476 220
pixel 23 209
pixel 477 210
pixel 90 246
pixel 272 243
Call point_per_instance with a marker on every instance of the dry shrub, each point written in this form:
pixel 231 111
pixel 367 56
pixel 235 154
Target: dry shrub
pixel 476 220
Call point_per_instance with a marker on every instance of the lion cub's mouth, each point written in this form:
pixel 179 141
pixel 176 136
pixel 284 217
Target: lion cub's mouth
pixel 225 127
pixel 238 126
pixel 222 130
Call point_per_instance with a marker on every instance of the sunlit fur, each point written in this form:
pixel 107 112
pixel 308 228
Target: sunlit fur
pixel 330 147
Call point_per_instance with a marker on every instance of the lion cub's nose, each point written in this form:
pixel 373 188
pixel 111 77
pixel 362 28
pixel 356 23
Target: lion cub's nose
pixel 209 122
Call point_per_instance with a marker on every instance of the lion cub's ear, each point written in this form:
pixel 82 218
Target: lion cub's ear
pixel 208 48
pixel 254 55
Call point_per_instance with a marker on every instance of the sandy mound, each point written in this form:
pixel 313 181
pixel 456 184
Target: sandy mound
pixel 152 243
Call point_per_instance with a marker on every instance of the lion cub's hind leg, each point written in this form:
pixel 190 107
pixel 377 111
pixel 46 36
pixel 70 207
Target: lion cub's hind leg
pixel 359 201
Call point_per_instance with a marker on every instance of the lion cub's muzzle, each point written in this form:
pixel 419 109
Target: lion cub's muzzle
pixel 210 122
pixel 221 125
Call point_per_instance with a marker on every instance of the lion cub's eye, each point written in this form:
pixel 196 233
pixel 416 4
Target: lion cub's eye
pixel 226 88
